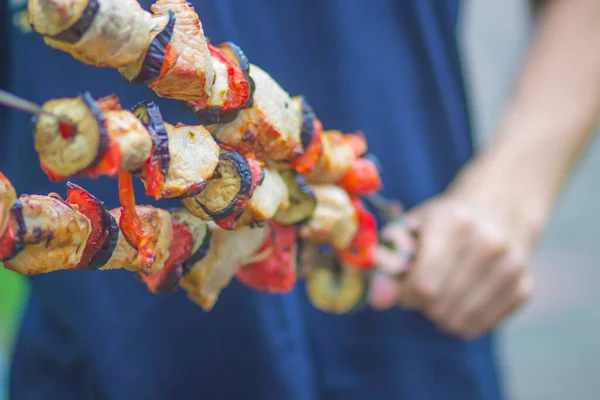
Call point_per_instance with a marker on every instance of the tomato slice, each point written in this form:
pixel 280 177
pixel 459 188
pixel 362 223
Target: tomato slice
pixel 310 158
pixel 8 240
pixel 277 273
pixel 155 180
pixel 239 84
pixel 362 178
pixel 361 252
pixel 166 280
pixel 131 224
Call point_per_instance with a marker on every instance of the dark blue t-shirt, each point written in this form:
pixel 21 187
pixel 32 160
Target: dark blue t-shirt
pixel 390 68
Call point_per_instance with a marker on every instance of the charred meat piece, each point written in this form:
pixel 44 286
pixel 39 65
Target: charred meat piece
pixel 270 129
pixel 55 238
pixel 228 251
pixel 105 231
pixel 187 73
pixel 334 220
pixel 104 33
pixel 335 287
pixel 302 200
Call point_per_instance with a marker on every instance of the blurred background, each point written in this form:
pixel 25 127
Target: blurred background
pixel 551 348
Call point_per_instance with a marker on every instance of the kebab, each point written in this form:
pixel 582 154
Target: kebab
pixel 45 234
pixel 240 103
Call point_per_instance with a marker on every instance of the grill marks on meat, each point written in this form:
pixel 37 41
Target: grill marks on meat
pixel 55 238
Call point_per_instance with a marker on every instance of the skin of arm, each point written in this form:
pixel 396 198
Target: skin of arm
pixel 476 239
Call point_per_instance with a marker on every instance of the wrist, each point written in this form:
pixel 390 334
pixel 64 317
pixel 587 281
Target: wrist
pixel 507 190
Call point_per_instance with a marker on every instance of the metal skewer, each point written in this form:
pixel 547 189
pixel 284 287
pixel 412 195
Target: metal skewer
pixel 13 101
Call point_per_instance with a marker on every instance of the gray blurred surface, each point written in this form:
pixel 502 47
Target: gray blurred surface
pixel 552 348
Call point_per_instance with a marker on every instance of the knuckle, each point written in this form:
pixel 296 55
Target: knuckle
pixel 514 264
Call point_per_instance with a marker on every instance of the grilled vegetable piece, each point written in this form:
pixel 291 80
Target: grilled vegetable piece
pixel 12 241
pixel 227 192
pixel 55 236
pixel 228 251
pixel 310 136
pixel 273 270
pixel 336 158
pixel 104 228
pixel 147 69
pixel 167 279
pixel 361 252
pixel 64 157
pixel 335 287
pixel 8 196
pixel 157 165
pixel 362 178
pixel 233 88
pixel 270 129
pixel 140 237
pixel 126 256
pixel 200 236
pixel 187 73
pixel 334 220
pixel 104 33
pixel 302 200
pixel 108 139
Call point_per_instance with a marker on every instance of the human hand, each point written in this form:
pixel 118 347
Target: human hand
pixel 471 266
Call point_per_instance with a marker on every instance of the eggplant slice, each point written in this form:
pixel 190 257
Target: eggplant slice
pixel 334 287
pixel 227 192
pixel 302 200
pixel 147 70
pixel 65 157
pixel 82 24
pixel 150 116
pixel 200 233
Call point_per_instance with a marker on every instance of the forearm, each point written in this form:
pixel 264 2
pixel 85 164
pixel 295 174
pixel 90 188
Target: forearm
pixel 552 113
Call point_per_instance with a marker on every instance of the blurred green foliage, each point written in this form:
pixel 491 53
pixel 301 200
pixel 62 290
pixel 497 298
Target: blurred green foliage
pixel 13 288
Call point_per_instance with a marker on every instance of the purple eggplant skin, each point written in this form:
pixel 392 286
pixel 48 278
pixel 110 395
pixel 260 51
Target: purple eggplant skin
pixel 155 56
pixel 198 255
pixel 244 64
pixel 205 116
pixel 75 32
pixel 243 170
pixel 101 122
pixel 307 133
pixel 150 116
pixel 17 213
pixel 302 200
pixel 170 283
pixel 110 244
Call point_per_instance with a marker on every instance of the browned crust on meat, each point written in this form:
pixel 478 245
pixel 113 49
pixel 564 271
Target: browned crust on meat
pixel 189 75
